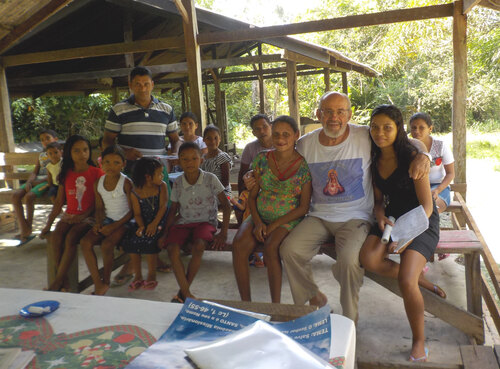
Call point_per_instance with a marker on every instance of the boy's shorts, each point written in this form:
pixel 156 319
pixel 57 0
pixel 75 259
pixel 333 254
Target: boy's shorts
pixel 52 191
pixel 38 190
pixel 179 234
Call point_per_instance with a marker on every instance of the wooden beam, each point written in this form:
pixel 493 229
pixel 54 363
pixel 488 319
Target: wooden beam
pixel 293 96
pixel 94 51
pixel 155 69
pixel 35 19
pixel 447 312
pixel 182 10
pixel 458 114
pixel 193 60
pixel 6 133
pixel 353 21
pixel 468 5
pixel 298 58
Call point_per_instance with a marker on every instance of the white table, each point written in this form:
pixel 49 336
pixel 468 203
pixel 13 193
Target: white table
pixel 82 312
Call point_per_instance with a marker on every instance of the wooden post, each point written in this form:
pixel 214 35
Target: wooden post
pixel 115 95
pixel 6 133
pixel 219 113
pixel 326 78
pixel 459 91
pixel 184 97
pixel 224 132
pixel 128 37
pixel 344 83
pixel 262 103
pixel 293 100
pixel 193 60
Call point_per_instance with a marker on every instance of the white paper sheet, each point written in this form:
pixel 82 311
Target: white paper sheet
pixel 408 226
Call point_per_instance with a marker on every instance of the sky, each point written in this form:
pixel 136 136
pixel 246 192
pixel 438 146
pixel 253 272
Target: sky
pixel 264 12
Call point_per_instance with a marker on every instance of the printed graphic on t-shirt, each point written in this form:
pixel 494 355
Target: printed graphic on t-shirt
pixel 79 191
pixel 337 181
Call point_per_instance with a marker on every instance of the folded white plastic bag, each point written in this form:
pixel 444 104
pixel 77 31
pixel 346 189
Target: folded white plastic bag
pixel 257 346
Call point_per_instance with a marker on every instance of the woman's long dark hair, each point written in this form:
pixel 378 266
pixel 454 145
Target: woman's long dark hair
pixel 67 160
pixel 405 151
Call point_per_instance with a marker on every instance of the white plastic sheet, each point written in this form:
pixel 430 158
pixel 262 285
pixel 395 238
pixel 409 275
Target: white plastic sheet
pixel 257 346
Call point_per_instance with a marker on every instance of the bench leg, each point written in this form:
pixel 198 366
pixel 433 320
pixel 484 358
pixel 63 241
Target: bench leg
pixel 473 283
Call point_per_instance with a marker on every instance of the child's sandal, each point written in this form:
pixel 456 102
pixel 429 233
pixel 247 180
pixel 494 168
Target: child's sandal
pixel 149 285
pixel 135 285
pixel 177 299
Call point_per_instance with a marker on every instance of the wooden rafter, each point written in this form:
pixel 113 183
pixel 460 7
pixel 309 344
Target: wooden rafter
pixel 363 20
pixel 93 51
pixel 38 17
pixel 155 69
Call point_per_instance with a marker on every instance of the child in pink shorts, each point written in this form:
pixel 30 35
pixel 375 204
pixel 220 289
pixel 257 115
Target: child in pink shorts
pixel 194 211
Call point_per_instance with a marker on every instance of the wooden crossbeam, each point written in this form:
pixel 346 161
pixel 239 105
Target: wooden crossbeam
pixel 155 69
pixel 94 51
pixel 353 21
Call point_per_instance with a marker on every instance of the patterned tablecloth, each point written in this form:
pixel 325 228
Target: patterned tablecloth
pixel 106 332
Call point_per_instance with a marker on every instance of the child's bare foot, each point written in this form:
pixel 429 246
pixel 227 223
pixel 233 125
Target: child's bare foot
pixel 319 300
pixel 101 289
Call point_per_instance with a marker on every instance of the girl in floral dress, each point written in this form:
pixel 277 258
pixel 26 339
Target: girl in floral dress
pixel 277 203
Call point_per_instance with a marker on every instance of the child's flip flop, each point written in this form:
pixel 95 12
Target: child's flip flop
pixel 149 285
pixel 177 299
pixel 422 359
pixel 135 285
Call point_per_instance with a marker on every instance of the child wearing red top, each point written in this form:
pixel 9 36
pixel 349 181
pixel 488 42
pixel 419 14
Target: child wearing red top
pixel 76 189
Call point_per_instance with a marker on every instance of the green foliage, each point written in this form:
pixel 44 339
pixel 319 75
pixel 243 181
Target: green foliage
pixel 66 115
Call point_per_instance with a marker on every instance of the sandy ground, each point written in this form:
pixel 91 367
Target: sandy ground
pixel 383 333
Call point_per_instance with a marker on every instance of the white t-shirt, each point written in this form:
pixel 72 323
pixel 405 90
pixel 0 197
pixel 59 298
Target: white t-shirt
pixel 441 156
pixel 198 202
pixel 341 176
pixel 199 141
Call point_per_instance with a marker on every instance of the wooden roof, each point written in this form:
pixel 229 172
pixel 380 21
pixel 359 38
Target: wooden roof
pixel 82 45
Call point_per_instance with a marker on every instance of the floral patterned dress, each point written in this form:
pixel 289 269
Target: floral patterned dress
pixel 277 198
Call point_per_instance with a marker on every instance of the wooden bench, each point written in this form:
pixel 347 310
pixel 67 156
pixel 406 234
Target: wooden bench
pixel 11 174
pixel 465 242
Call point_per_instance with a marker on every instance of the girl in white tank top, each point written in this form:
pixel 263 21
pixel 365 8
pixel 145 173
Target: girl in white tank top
pixel 112 214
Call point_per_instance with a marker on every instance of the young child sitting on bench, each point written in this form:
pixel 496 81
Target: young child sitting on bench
pixel 35 187
pixel 194 211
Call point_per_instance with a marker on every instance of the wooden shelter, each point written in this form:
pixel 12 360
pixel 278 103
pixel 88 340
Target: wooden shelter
pixel 84 46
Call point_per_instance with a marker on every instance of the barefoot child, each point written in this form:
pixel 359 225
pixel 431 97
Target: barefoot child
pixel 278 201
pixel 149 199
pixel 35 186
pixel 392 154
pixel 215 160
pixel 76 189
pixel 194 200
pixel 113 211
pixel 54 152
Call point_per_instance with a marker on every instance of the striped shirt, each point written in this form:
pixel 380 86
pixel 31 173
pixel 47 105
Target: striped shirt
pixel 140 128
pixel 212 165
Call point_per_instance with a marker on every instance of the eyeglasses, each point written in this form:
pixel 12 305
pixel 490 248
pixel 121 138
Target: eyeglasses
pixel 331 113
